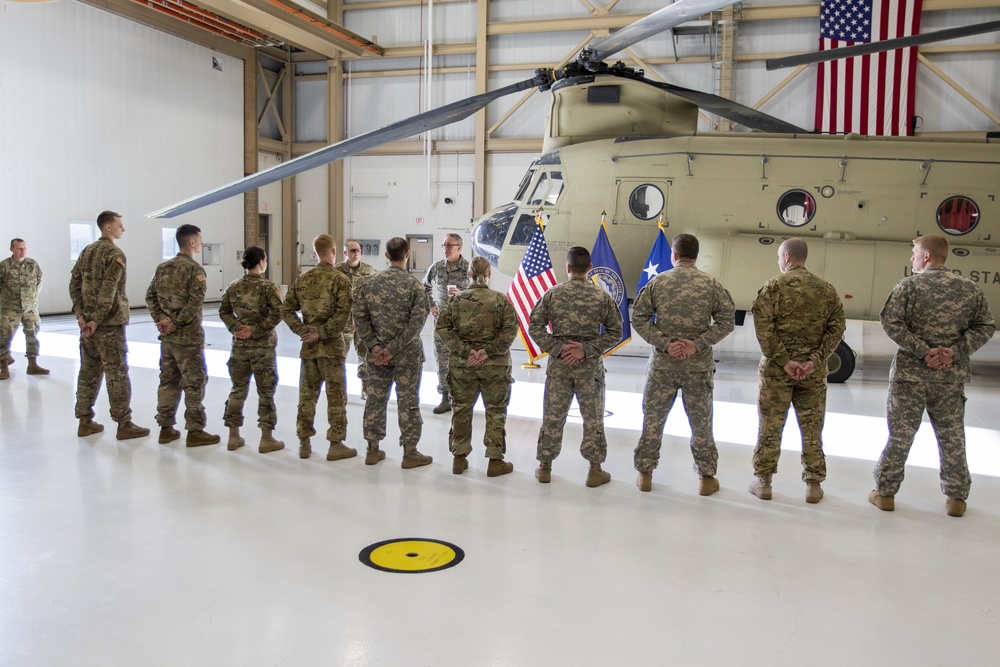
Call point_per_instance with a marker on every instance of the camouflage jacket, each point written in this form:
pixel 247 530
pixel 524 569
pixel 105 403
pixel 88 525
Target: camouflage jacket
pixel 20 284
pixel 255 302
pixel 932 308
pixel 97 284
pixel 323 294
pixel 440 275
pixel 478 319
pixel 797 316
pixel 177 291
pixel 390 311
pixel 686 303
pixel 575 311
pixel 356 275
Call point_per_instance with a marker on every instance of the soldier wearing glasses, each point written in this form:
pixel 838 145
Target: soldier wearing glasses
pixel 445 279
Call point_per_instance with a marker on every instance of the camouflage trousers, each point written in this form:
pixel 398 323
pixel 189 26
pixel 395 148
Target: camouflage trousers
pixel 312 376
pixel 405 373
pixel 559 393
pixel 809 398
pixel 182 369
pixel 442 353
pixel 259 363
pixel 657 398
pixel 102 355
pixel 31 323
pixel 945 404
pixel 362 351
pixel 466 385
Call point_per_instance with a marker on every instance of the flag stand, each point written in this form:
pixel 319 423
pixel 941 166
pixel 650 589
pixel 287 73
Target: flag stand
pixel 530 366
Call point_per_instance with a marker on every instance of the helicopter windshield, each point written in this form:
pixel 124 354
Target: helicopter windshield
pixel 549 187
pixel 523 187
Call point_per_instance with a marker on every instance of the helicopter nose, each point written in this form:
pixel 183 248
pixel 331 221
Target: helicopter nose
pixel 490 232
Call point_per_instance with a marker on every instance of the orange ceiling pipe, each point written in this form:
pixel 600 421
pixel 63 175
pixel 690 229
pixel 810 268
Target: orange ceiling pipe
pixel 238 28
pixel 193 15
pixel 367 45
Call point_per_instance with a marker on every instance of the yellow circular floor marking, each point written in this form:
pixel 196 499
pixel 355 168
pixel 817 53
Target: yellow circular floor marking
pixel 411 555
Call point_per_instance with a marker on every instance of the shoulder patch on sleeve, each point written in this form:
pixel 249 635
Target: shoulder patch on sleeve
pixel 201 277
pixel 120 260
pixel 277 292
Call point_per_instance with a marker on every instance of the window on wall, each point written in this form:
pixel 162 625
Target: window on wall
pixel 81 234
pixel 957 215
pixel 169 242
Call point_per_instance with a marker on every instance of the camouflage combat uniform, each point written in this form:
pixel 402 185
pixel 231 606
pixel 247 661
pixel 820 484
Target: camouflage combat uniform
pixel 356 275
pixel 390 311
pixel 436 281
pixel 177 291
pixel 798 316
pixel 479 319
pixel 686 303
pixel 20 284
pixel 97 289
pixel 323 294
pixel 255 302
pixel 575 310
pixel 933 308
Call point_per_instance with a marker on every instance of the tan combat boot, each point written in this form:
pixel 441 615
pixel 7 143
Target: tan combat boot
pixel 35 369
pixel 168 434
pixel 597 476
pixel 814 492
pixel 497 467
pixel 88 427
pixel 305 449
pixel 128 430
pixel 414 459
pixel 374 454
pixel 884 503
pixel 268 443
pixel 4 372
pixel 338 450
pixel 444 406
pixel 644 481
pixel 544 472
pixel 459 465
pixel 235 441
pixel 955 506
pixel 707 485
pixel 761 487
pixel 199 438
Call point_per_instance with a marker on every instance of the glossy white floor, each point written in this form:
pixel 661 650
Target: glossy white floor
pixel 134 553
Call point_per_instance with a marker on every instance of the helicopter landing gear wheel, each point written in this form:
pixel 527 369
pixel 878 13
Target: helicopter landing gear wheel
pixel 840 365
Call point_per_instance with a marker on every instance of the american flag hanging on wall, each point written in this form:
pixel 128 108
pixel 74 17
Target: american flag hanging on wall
pixel 872 94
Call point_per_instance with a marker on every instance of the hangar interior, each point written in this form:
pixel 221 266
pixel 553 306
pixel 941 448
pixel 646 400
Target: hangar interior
pixel 133 552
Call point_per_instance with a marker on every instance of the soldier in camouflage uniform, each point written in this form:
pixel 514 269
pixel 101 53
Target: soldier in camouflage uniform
pixel 938 319
pixel 576 311
pixel 682 313
pixel 100 303
pixel 799 322
pixel 20 283
pixel 443 280
pixel 174 298
pixel 478 326
pixel 251 309
pixel 357 272
pixel 323 294
pixel 389 313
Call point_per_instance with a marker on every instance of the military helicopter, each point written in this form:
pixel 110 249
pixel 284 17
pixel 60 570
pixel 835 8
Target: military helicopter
pixel 616 141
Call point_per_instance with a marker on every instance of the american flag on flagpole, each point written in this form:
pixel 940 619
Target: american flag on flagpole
pixel 534 278
pixel 872 94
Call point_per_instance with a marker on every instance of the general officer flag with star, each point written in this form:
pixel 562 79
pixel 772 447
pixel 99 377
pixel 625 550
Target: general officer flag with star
pixel 658 262
pixel 607 274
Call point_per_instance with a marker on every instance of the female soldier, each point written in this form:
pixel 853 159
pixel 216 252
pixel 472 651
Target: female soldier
pixel 479 325
pixel 251 309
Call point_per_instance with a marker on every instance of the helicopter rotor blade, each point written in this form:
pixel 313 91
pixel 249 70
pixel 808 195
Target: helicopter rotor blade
pixel 429 120
pixel 664 19
pixel 734 111
pixel 884 45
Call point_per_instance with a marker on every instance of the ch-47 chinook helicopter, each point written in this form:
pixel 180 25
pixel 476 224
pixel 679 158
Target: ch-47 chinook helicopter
pixel 616 141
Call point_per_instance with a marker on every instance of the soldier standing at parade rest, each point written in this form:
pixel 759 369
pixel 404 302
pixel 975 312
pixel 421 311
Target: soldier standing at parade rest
pixel 251 309
pixel 938 319
pixel 799 321
pixel 479 326
pixel 323 294
pixel 682 313
pixel 20 283
pixel 174 298
pixel 97 290
pixel 585 323
pixel 389 313
pixel 443 280
pixel 357 272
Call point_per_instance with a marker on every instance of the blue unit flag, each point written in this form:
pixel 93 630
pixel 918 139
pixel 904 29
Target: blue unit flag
pixel 608 274
pixel 658 262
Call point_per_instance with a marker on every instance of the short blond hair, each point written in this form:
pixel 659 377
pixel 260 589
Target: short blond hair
pixel 324 244
pixel 935 244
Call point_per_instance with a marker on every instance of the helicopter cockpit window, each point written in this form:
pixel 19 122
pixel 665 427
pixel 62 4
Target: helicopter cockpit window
pixel 646 202
pixel 523 187
pixel 796 208
pixel 538 194
pixel 555 189
pixel 957 215
pixel 524 230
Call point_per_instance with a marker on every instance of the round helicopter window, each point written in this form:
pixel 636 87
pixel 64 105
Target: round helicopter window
pixel 957 215
pixel 796 208
pixel 646 202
